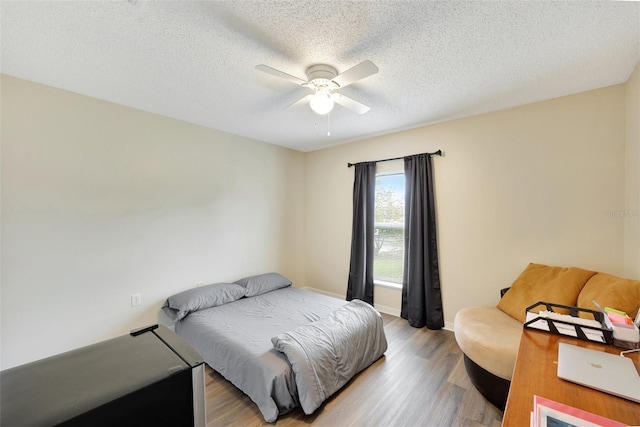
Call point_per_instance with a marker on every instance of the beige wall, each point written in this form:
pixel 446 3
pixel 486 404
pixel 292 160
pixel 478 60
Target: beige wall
pixel 100 201
pixel 527 184
pixel 632 169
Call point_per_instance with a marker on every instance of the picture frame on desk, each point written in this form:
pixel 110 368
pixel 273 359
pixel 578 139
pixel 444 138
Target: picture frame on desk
pixel 549 413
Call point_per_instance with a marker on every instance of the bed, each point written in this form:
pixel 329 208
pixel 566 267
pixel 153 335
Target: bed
pixel 282 346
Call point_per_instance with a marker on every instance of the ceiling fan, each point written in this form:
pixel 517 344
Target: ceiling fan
pixel 325 82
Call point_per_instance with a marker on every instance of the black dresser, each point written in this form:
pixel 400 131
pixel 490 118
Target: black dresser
pixel 151 377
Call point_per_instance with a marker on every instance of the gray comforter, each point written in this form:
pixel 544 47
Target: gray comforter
pixel 327 353
pixel 235 340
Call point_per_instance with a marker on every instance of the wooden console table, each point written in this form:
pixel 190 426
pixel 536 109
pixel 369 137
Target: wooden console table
pixel 536 373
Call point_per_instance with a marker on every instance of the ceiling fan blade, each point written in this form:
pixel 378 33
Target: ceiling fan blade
pixel 349 103
pixel 358 72
pixel 278 73
pixel 299 102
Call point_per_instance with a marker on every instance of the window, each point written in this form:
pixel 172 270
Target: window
pixel 388 257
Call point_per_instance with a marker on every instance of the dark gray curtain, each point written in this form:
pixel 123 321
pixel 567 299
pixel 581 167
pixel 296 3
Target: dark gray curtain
pixel 421 297
pixel 360 285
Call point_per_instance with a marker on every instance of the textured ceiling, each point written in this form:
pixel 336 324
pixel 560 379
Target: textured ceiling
pixel 195 61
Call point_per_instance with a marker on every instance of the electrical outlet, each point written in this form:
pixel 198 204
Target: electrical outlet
pixel 199 284
pixel 136 299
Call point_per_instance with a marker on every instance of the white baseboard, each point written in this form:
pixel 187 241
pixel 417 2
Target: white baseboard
pixel 381 308
pixel 387 310
pixel 320 291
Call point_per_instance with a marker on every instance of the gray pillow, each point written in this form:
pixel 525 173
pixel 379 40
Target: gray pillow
pixel 262 283
pixel 203 297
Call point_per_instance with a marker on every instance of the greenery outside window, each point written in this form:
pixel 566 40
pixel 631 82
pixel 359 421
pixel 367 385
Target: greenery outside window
pixel 388 260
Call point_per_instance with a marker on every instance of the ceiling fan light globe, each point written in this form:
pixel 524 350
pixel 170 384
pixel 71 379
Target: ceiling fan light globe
pixel 321 103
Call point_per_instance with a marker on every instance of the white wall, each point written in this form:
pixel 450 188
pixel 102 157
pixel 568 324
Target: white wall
pixel 527 184
pixel 100 201
pixel 632 170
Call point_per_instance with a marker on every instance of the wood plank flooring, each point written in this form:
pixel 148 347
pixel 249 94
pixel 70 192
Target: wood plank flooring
pixel 421 381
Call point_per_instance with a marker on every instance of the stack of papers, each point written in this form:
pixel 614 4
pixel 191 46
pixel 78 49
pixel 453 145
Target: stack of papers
pixel 564 329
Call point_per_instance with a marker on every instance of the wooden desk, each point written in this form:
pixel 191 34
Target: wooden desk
pixel 536 373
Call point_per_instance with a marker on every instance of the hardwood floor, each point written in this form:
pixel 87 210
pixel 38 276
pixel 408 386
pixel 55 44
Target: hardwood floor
pixel 420 381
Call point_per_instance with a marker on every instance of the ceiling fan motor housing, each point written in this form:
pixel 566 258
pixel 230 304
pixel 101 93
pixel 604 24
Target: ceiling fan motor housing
pixel 321 75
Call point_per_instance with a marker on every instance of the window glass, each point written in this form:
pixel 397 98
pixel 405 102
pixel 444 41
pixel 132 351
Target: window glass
pixel 389 227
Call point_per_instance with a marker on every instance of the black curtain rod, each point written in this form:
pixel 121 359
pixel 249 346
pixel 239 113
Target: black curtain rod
pixel 435 153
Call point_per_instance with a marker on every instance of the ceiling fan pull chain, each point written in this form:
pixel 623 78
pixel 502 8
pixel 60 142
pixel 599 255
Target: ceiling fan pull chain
pixel 328 125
